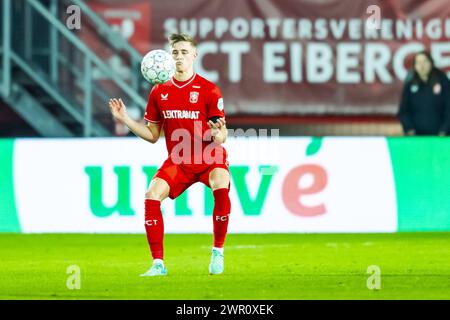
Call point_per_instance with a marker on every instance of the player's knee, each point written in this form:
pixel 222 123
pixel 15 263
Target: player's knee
pixel 154 195
pixel 150 195
pixel 219 178
pixel 214 184
pixel 158 190
pixel 219 182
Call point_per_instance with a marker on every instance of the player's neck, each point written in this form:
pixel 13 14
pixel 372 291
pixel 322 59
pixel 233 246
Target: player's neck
pixel 183 75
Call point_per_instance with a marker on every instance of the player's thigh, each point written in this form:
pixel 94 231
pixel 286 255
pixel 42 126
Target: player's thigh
pixel 158 190
pixel 219 178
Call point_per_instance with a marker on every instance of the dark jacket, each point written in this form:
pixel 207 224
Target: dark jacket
pixel 425 107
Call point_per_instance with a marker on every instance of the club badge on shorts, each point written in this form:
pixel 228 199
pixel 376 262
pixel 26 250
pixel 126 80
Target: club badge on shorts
pixel 193 97
pixel 437 88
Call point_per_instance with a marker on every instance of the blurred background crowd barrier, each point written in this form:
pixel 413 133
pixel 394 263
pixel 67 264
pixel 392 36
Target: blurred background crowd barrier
pixel 304 67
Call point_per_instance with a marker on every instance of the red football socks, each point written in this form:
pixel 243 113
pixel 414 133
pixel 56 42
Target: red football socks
pixel 154 227
pixel 221 215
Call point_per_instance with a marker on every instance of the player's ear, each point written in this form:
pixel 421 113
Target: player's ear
pixel 194 48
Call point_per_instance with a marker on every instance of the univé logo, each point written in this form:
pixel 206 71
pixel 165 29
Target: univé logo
pixel 294 192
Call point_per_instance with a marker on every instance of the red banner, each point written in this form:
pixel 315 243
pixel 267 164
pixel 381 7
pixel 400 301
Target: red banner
pixel 131 19
pixel 302 56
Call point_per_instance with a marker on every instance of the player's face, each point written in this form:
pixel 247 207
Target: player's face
pixel 422 65
pixel 184 55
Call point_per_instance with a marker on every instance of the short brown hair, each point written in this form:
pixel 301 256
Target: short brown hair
pixel 178 37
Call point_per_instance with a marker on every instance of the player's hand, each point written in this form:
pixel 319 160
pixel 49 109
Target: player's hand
pixel 216 135
pixel 118 109
pixel 219 124
pixel 216 130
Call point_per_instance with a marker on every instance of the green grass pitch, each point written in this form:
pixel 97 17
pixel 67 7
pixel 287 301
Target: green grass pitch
pixel 257 266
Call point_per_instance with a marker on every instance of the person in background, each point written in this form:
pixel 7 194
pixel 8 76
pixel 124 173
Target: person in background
pixel 425 102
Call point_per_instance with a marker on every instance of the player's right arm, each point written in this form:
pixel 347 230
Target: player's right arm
pixel 148 132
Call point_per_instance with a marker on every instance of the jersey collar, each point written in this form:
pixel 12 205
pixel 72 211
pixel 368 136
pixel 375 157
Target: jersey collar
pixel 183 84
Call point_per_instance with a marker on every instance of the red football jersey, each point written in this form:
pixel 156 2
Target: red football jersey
pixel 183 109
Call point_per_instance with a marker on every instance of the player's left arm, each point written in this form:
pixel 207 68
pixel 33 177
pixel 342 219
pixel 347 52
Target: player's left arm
pixel 216 116
pixel 218 128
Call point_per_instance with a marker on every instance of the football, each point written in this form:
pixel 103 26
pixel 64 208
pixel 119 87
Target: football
pixel 157 66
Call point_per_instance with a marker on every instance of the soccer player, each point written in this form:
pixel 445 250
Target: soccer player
pixel 190 110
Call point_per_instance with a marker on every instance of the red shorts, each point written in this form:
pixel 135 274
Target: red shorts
pixel 179 177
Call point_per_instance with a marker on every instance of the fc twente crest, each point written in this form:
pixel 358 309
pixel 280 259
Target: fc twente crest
pixel 194 97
